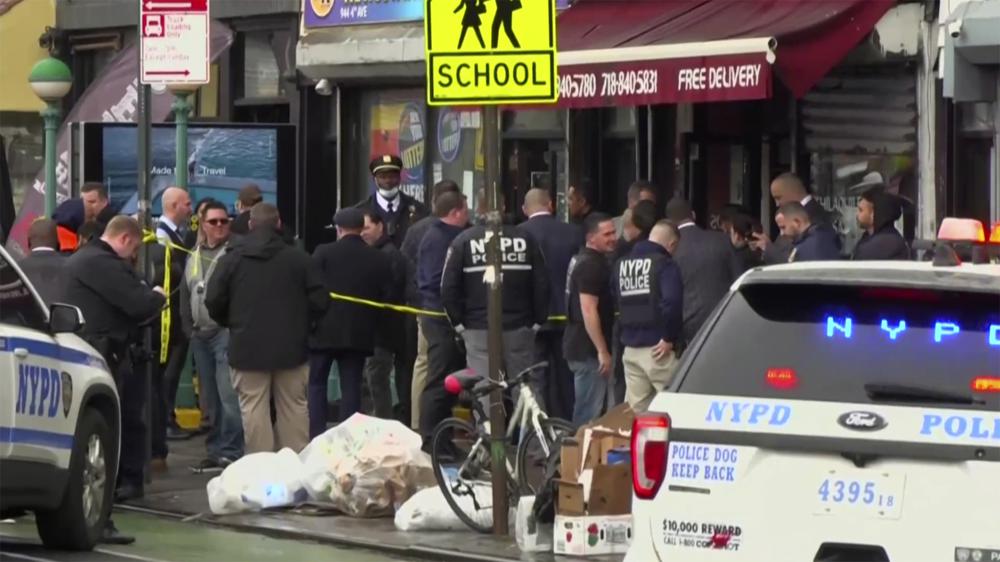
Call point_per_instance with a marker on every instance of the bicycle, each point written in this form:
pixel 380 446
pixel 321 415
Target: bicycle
pixel 468 480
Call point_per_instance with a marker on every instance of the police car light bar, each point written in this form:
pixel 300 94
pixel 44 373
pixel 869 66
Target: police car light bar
pixel 995 234
pixel 961 230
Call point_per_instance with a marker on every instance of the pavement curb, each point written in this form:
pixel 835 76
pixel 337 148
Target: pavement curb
pixel 410 551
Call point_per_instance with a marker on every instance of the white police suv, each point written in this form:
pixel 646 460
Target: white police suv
pixel 59 418
pixel 831 412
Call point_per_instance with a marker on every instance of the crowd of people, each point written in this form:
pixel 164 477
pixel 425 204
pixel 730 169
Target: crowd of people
pixel 400 300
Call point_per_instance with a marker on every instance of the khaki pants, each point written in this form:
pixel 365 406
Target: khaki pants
pixel 289 387
pixel 644 376
pixel 419 378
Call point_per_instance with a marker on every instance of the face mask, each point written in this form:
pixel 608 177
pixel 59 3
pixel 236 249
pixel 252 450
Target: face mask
pixel 389 194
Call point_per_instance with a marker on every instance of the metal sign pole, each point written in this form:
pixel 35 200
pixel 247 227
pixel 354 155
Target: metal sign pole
pixel 495 319
pixel 144 126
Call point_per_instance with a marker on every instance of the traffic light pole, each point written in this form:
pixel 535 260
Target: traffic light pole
pixel 494 277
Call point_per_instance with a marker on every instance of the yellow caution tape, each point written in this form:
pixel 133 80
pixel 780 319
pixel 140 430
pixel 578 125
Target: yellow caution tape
pixel 151 237
pixel 165 313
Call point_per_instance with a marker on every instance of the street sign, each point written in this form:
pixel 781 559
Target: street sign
pixel 174 41
pixel 490 52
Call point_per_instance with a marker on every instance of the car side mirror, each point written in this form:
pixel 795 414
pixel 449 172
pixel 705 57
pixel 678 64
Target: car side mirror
pixel 65 319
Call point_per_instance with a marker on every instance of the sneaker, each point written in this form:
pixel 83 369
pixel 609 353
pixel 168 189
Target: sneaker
pixel 225 461
pixel 207 465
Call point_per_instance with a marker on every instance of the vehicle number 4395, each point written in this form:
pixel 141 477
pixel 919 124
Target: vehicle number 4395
pixel 853 492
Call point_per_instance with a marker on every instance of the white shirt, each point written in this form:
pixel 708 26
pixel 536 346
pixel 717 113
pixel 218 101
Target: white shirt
pixel 384 203
pixel 805 200
pixel 161 236
pixel 539 214
pixel 685 225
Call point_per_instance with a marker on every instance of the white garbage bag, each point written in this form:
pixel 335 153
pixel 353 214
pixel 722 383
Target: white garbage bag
pixel 428 510
pixel 366 467
pixel 258 481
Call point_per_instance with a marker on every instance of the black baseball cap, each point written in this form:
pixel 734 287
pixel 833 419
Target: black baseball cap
pixel 350 217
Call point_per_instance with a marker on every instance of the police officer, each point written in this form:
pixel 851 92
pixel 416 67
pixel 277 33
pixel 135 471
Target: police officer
pixel 397 210
pixel 465 294
pixel 650 295
pixel 102 283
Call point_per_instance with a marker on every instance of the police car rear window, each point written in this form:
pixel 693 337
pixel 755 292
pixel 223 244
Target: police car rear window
pixel 838 343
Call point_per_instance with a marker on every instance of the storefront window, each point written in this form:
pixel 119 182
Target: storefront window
pixel 22 135
pixel 840 179
pixel 261 77
pixel 457 150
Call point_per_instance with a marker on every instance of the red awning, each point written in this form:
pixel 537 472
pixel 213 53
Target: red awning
pixel 637 52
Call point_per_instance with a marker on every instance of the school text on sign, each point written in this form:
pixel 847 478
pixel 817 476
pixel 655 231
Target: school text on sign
pixel 490 52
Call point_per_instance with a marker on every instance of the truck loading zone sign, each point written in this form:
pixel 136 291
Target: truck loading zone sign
pixel 490 52
pixel 174 36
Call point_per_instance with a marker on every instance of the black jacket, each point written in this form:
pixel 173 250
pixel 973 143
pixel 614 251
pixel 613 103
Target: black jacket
pixel 885 242
pixel 241 224
pixel 650 298
pixel 559 242
pixel 45 270
pixel 780 250
pixel 268 294
pixel 465 293
pixel 819 242
pixel 112 296
pixel 178 258
pixel 352 268
pixel 708 266
pixel 430 262
pixel 409 212
pixel 402 290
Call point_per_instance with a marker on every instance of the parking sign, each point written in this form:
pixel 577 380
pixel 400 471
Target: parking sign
pixel 174 37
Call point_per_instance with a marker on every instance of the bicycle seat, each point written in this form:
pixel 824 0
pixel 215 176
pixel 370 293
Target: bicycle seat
pixel 458 381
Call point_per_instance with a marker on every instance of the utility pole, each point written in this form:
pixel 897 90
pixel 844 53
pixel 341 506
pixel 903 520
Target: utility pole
pixel 182 111
pixel 494 276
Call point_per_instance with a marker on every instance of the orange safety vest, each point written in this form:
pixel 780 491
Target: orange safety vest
pixel 68 240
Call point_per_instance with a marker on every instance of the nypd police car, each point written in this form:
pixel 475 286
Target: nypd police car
pixel 830 411
pixel 59 418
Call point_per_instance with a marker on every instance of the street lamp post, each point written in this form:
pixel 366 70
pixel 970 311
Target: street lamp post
pixel 182 111
pixel 51 80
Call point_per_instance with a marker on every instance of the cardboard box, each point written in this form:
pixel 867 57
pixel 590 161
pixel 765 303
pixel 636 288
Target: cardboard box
pixel 570 459
pixel 571 499
pixel 611 490
pixel 592 535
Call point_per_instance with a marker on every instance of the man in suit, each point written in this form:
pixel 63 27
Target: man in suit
pixel 789 188
pixel 708 266
pixel 397 209
pixel 44 265
pixel 176 206
pixel 640 190
pixel 559 242
pixel 346 334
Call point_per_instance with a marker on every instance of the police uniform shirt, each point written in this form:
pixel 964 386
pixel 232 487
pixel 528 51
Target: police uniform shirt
pixel 590 273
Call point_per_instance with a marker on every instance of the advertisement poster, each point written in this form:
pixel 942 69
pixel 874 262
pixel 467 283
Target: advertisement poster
pixel 221 161
pixel 330 13
pixel 398 127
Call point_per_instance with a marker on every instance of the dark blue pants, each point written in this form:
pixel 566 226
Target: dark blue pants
pixel 350 367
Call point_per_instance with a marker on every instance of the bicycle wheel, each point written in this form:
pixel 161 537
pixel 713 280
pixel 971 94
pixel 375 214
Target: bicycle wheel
pixel 461 465
pixel 531 457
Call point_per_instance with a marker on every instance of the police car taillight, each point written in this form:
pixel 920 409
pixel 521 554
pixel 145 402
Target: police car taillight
pixel 961 230
pixel 650 441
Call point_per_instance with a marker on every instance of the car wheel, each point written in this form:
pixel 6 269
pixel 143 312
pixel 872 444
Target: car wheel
pixel 80 518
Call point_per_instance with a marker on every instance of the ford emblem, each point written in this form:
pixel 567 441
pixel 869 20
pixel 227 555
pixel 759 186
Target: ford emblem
pixel 862 421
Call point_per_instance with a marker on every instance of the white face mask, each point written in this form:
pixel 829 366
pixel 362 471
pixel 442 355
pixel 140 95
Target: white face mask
pixel 389 194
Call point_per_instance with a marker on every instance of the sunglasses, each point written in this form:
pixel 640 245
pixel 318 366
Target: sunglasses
pixel 217 222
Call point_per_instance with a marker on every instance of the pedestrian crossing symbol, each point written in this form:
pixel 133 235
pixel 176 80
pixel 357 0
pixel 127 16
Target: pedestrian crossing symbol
pixel 490 52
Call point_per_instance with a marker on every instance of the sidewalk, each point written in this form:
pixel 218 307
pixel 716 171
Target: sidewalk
pixel 181 493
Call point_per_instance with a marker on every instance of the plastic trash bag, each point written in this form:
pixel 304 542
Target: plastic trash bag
pixel 258 481
pixel 427 510
pixel 366 467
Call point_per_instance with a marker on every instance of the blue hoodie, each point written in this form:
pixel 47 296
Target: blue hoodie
pixel 670 305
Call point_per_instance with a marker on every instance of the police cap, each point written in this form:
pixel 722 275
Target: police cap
pixel 385 162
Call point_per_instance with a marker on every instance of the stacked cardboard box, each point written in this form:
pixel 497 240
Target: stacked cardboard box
pixel 594 502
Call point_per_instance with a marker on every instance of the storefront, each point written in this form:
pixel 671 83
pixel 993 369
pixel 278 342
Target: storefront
pixel 970 67
pixel 709 99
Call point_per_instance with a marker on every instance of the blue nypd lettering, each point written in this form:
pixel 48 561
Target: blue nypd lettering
pixel 958 426
pixel 748 413
pixel 39 391
pixel 838 327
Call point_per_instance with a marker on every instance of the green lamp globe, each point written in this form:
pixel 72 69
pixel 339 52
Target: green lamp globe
pixel 50 79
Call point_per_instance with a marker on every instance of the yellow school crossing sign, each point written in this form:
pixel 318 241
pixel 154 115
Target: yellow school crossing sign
pixel 490 52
